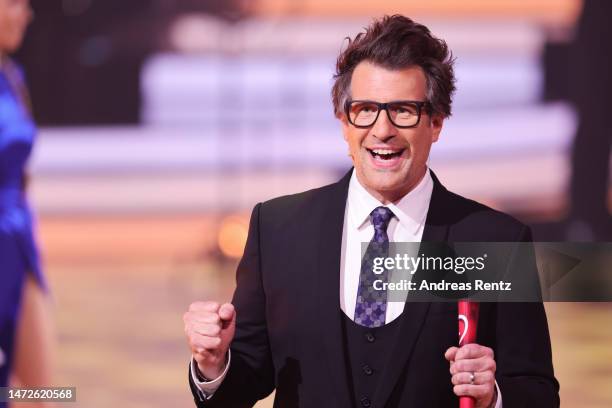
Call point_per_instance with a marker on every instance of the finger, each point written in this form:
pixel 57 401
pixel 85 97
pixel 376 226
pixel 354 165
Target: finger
pixel 207 306
pixel 207 329
pixel 226 311
pixel 462 378
pixel 201 317
pixel 198 342
pixel 473 365
pixel 475 391
pixel 450 353
pixel 473 350
pixel 484 377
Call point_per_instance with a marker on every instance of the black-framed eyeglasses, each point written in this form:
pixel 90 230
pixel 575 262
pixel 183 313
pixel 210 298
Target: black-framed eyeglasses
pixel 402 114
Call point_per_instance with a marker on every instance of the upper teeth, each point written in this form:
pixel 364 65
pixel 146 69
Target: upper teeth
pixel 383 151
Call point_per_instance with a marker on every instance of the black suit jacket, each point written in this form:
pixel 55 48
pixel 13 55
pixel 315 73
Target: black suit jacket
pixel 289 331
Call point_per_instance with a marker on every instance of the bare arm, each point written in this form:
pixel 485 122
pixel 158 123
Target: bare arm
pixel 35 341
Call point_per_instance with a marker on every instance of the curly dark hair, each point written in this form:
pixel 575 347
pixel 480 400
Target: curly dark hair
pixel 397 42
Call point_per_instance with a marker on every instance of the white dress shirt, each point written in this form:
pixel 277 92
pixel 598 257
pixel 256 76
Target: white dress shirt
pixel 407 225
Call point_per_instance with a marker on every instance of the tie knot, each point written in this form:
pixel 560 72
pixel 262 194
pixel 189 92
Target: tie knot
pixel 380 218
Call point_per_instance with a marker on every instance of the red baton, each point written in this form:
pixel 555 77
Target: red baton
pixel 468 324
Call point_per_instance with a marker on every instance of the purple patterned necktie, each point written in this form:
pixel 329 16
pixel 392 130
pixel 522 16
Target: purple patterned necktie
pixel 371 305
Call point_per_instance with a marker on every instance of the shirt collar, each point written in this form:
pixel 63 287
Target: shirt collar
pixel 410 210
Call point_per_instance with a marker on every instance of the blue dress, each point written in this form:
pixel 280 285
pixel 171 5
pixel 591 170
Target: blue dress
pixel 18 252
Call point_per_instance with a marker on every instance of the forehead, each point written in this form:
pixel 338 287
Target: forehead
pixel 371 81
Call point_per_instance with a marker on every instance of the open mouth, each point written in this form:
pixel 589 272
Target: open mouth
pixel 385 154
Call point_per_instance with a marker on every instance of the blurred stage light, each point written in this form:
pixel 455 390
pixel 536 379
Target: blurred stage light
pixel 232 235
pixel 196 33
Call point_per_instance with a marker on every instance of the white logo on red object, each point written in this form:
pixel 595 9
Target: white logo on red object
pixel 464 319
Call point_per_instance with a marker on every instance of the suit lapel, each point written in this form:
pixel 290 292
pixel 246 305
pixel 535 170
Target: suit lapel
pixel 328 289
pixel 436 230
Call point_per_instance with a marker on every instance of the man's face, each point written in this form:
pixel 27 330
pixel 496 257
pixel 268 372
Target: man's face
pixel 14 18
pixel 390 177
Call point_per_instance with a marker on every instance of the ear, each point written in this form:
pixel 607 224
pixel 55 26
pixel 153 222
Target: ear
pixel 436 127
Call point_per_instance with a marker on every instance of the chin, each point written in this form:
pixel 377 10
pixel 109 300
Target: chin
pixel 391 188
pixel 387 185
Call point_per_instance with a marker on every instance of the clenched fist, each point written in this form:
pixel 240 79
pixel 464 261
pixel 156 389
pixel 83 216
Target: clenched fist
pixel 210 329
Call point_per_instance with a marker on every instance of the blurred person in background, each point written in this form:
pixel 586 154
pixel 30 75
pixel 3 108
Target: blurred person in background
pixel 25 321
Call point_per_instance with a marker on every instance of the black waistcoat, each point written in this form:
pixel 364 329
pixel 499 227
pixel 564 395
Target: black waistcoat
pixel 368 351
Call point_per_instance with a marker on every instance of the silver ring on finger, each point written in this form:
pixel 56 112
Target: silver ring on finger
pixel 472 377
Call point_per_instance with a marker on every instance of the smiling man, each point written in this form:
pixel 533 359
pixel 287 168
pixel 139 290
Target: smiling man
pixel 304 319
pixel 389 150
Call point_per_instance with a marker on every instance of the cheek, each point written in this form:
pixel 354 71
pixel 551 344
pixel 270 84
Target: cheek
pixel 355 141
pixel 420 144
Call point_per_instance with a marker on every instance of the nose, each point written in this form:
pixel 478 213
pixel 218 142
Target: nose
pixel 383 129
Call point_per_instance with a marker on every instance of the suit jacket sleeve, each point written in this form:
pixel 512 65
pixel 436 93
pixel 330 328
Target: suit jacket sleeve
pixel 522 350
pixel 251 372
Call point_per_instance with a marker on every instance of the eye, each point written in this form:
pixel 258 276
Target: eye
pixel 366 108
pixel 405 109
